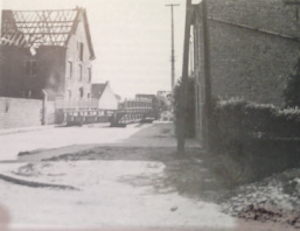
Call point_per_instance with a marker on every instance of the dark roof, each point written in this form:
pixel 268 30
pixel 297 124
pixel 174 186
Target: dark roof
pixel 98 89
pixel 43 27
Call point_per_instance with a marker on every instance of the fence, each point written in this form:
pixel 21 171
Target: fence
pixel 138 104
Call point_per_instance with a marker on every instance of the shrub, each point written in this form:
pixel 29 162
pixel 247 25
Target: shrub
pixel 189 112
pixel 244 134
pixel 243 118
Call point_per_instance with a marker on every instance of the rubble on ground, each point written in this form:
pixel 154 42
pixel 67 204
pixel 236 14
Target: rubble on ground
pixel 275 198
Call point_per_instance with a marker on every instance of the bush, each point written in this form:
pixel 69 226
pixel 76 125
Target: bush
pixel 189 112
pixel 239 118
pixel 245 135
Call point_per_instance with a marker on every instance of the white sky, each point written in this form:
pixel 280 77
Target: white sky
pixel 131 39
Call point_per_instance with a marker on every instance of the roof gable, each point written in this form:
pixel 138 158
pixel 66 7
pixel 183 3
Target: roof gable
pixel 98 89
pixel 82 12
pixel 43 27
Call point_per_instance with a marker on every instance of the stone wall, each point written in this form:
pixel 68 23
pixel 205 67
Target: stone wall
pixel 19 112
pixel 16 112
pixel 51 115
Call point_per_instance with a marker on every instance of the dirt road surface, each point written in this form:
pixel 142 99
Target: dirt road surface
pixel 133 181
pixel 59 137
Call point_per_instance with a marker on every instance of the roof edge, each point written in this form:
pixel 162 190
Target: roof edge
pixel 87 29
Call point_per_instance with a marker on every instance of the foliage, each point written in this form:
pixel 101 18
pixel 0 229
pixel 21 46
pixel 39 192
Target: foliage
pixel 159 105
pixel 189 111
pixel 245 134
pixel 243 118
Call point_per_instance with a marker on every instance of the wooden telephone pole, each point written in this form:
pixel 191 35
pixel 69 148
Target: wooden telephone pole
pixel 172 46
pixel 181 123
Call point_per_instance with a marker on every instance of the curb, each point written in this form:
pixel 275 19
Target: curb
pixel 35 184
pixel 6 131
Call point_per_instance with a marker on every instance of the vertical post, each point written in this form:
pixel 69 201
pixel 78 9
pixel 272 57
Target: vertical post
pixel 207 73
pixel 181 124
pixel 44 108
pixel 172 46
pixel 172 50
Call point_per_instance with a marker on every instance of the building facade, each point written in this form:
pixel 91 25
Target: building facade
pixel 53 53
pixel 253 47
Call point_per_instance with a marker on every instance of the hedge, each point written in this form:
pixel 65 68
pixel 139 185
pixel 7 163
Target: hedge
pixel 254 140
pixel 238 118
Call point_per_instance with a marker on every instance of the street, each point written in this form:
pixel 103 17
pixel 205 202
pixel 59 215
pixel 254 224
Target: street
pixel 113 116
pixel 125 192
pixel 57 137
pixel 110 178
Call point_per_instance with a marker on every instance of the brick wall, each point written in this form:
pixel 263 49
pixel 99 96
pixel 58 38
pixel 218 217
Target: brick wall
pixel 253 47
pixel 249 64
pixel 16 112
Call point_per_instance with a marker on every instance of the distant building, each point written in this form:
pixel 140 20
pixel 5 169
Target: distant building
pixel 49 50
pixel 107 99
pixel 166 94
pixel 145 96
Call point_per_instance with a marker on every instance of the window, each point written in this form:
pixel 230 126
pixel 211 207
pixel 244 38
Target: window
pixel 31 67
pixel 81 93
pixel 90 74
pixel 80 72
pixel 80 49
pixel 70 69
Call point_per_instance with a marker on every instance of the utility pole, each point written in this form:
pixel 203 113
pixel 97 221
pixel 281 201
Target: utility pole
pixel 181 123
pixel 207 73
pixel 172 46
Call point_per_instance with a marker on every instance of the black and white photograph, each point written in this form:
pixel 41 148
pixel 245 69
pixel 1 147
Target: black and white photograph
pixel 149 115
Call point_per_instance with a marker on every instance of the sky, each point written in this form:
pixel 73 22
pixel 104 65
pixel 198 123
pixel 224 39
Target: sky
pixel 131 39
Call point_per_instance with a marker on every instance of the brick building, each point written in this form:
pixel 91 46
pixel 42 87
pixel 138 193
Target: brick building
pixel 50 50
pixel 253 46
